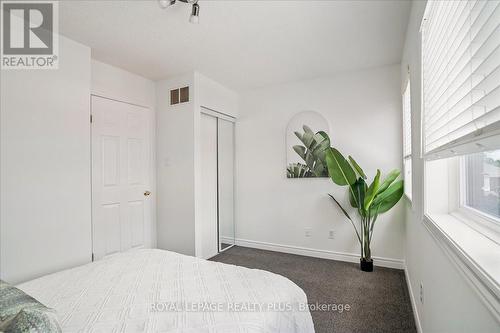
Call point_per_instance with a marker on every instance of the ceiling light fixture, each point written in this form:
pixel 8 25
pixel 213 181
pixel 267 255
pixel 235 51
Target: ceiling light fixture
pixel 195 11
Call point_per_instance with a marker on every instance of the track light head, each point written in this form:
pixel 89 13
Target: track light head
pixel 195 11
pixel 195 14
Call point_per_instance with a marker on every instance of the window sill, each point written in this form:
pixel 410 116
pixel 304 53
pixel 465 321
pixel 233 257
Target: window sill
pixel 476 256
pixel 480 223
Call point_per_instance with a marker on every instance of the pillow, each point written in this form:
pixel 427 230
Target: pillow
pixel 20 312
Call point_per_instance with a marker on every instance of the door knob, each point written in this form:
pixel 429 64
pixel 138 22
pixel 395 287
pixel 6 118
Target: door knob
pixel 146 193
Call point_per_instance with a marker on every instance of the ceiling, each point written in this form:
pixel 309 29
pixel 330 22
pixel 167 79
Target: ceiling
pixel 241 44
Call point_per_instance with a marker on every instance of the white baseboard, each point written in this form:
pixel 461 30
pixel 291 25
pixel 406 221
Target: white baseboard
pixel 413 302
pixel 227 240
pixel 324 254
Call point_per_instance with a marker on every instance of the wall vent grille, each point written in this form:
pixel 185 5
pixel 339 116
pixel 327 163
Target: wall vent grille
pixel 179 95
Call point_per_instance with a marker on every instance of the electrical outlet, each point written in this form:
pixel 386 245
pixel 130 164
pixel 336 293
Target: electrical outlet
pixel 307 232
pixel 331 234
pixel 421 293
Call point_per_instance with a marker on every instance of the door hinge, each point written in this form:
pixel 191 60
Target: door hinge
pixel 91 119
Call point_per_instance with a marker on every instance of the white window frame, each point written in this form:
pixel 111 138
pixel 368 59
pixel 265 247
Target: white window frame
pixel 464 233
pixel 407 136
pixel 485 224
pixel 482 222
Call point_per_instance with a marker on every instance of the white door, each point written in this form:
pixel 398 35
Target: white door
pixel 208 147
pixel 120 174
pixel 225 154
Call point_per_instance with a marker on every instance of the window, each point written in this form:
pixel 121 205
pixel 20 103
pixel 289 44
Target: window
pixel 461 112
pixel 461 136
pixel 461 107
pixel 407 140
pixel 461 75
pixel 481 190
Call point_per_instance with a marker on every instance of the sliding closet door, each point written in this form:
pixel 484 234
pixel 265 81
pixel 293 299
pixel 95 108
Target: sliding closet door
pixel 226 183
pixel 208 186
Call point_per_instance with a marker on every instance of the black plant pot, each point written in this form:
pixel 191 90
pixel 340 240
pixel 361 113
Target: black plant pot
pixel 366 265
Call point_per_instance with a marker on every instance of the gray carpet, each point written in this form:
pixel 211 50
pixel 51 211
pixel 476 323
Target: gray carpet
pixel 379 300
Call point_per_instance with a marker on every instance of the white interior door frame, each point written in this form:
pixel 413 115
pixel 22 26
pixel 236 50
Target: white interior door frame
pixel 149 213
pixel 217 114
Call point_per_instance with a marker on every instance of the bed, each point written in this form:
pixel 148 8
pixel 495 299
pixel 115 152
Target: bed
pixel 150 290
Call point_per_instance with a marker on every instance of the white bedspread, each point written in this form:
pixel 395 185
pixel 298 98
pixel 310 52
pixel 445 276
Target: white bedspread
pixel 160 291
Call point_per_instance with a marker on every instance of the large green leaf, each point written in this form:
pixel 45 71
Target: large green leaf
pixel 322 142
pixel 389 197
pixel 388 180
pixel 357 167
pixel 319 170
pixel 357 192
pixel 319 151
pixel 307 129
pixel 339 169
pixel 313 151
pixel 310 159
pixel 347 215
pixel 372 191
pixel 301 151
pixel 324 136
pixel 322 139
pixel 340 206
pixel 297 170
pixel 308 137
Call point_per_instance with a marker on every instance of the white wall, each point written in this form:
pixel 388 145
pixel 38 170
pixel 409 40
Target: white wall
pixel 115 83
pixel 119 84
pixel 450 303
pixel 364 112
pixel 45 167
pixel 178 158
pixel 215 96
pixel 175 174
pixel 45 170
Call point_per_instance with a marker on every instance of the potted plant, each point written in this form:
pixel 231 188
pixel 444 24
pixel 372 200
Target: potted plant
pixel 370 201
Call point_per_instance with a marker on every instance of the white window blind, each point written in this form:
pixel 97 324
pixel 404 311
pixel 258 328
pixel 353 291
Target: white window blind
pixel 407 139
pixel 461 76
